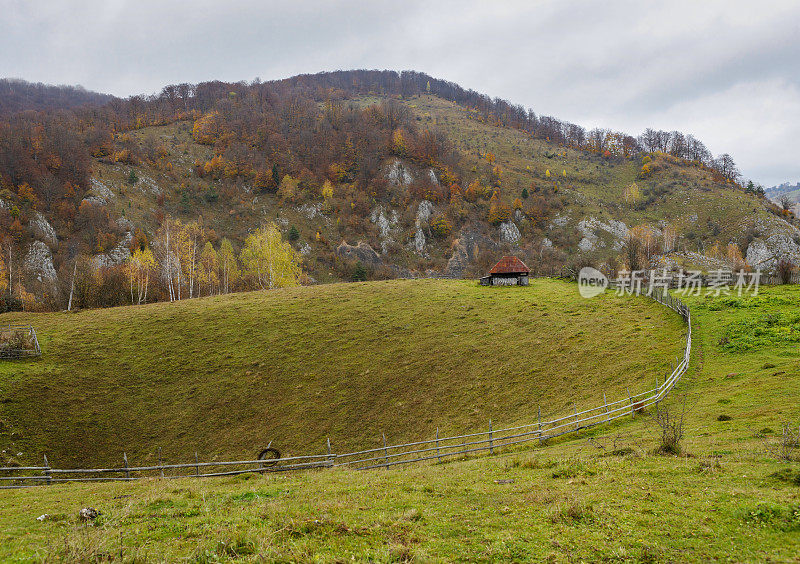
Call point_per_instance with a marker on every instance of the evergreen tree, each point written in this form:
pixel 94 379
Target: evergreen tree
pixel 359 273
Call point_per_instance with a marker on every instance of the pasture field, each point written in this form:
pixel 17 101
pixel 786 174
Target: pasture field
pixel 603 495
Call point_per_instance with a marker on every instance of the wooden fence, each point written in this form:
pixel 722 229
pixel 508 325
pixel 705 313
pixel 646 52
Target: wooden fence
pixel 387 456
pixel 17 341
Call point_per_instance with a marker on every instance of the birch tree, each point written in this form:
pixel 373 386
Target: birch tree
pixel 208 271
pixel 270 260
pixel 139 268
pixel 228 266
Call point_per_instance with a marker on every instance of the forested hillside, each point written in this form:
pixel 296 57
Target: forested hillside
pixel 216 187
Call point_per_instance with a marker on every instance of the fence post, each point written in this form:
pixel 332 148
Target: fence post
pixel 196 465
pixel 127 471
pixel 605 403
pixel 439 456
pixel 491 437
pixel 331 458
pixel 630 399
pixel 160 462
pixel 385 450
pixel 576 415
pixel 47 470
pixel 540 424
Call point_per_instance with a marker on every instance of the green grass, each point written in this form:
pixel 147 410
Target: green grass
pixel 635 508
pixel 224 376
pixel 600 496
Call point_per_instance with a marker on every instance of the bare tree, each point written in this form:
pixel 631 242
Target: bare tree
pixel 671 427
pixel 632 248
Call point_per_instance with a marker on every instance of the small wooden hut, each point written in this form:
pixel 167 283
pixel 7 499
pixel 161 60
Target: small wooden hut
pixel 509 271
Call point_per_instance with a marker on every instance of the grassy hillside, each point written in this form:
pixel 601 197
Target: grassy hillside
pixel 683 195
pixel 224 376
pixel 701 211
pixel 606 499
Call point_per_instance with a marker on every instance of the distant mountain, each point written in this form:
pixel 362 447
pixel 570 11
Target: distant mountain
pixel 369 174
pixel 18 95
pixel 792 191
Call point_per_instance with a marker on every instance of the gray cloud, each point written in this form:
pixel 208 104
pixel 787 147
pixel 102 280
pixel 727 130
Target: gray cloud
pixel 726 71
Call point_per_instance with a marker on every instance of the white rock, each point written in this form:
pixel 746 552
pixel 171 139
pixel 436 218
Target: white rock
pixel 150 184
pixel 117 255
pixel 509 232
pixel 432 176
pixel 95 200
pixel 42 229
pixel 386 224
pixel 424 211
pixel 102 190
pixel 547 243
pixel 39 262
pixel 311 210
pixel 587 244
pixel 397 174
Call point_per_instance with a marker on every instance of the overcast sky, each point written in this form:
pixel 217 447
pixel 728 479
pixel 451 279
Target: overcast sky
pixel 726 71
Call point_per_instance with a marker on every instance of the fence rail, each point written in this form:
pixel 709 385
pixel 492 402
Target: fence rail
pixel 438 448
pixel 18 341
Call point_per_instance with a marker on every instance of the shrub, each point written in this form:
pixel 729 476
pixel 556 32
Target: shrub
pixel 670 425
pixel 294 234
pixel 784 269
pixel 359 273
pixel 440 227
pixel 575 512
pixel 211 195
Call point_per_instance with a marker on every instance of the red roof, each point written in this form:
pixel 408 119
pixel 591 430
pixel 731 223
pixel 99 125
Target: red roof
pixel 510 265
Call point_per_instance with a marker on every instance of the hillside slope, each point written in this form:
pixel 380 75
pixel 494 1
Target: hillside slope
pixel 225 375
pixel 579 206
pixel 368 174
pixel 601 497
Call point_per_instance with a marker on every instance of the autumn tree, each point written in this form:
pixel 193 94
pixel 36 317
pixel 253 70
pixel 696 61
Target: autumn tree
pixel 498 211
pixel 228 266
pixel 270 260
pixel 208 271
pixel 139 267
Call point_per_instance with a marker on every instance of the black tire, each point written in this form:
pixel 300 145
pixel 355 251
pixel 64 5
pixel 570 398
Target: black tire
pixel 270 457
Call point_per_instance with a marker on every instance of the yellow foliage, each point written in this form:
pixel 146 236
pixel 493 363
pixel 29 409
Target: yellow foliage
pixel 3 276
pixel 498 211
pixel 327 190
pixel 270 260
pixel 474 191
pixel 399 142
pixel 440 226
pixel 631 193
pixel 288 187
pixel 206 130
